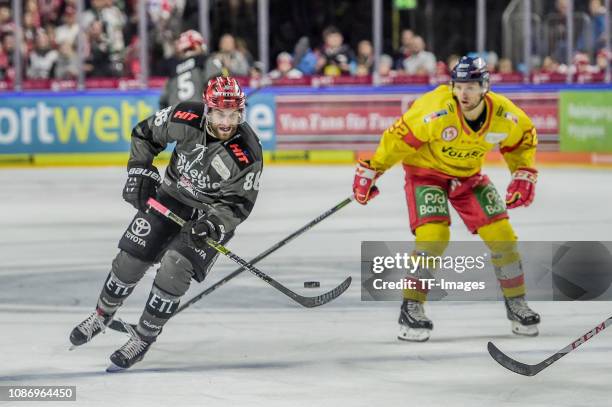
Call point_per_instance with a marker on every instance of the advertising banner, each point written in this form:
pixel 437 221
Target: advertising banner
pixel 101 122
pixel 95 122
pixel 261 112
pixel 586 121
pixel 356 121
pixel 72 122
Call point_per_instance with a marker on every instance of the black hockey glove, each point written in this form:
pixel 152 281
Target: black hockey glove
pixel 140 186
pixel 195 232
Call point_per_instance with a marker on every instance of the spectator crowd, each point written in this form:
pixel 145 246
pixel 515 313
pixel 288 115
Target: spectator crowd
pixel 110 46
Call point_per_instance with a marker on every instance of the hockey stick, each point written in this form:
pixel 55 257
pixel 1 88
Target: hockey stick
pixel 532 370
pixel 308 302
pixel 119 325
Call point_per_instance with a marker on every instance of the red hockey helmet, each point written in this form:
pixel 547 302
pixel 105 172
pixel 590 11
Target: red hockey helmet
pixel 224 93
pixel 225 101
pixel 190 40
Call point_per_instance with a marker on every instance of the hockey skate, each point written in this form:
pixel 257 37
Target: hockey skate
pixel 132 352
pixel 90 327
pixel 524 320
pixel 414 325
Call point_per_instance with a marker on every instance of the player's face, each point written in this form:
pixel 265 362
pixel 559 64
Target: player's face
pixel 469 95
pixel 224 122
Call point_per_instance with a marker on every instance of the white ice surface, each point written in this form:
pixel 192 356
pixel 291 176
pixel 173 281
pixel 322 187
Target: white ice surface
pixel 248 345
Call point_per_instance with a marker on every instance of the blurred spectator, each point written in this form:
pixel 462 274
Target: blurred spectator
pixel 256 72
pixel 451 61
pixel 228 60
pixel 602 60
pixel 582 64
pixel 493 61
pixel 50 11
pixel 284 68
pixel 8 47
pixel 30 28
pixel 110 40
pixel 365 55
pixel 305 58
pixel 336 57
pixel 598 20
pixel 559 30
pixel 4 63
pixel 31 8
pixel 420 62
pixel 131 63
pixel 361 70
pixel 441 68
pixel 385 66
pixel 165 22
pixel 98 62
pixel 241 46
pixel 5 17
pixel 505 66
pixel 6 23
pixel 67 64
pixel 42 58
pixel 549 65
pixel 68 32
pixel 405 48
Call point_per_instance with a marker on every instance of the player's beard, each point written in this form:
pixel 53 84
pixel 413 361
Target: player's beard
pixel 222 132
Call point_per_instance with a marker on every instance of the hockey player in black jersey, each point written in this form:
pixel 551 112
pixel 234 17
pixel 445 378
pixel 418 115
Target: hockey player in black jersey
pixel 212 181
pixel 187 76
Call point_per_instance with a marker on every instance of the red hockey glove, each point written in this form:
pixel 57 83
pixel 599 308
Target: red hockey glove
pixel 521 190
pixel 363 184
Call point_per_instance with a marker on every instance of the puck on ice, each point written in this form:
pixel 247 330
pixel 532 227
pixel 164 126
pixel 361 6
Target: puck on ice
pixel 311 284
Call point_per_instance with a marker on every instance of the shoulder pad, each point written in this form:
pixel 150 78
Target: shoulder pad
pixel 190 113
pixel 240 152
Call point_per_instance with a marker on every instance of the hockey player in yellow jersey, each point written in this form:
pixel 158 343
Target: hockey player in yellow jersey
pixel 442 141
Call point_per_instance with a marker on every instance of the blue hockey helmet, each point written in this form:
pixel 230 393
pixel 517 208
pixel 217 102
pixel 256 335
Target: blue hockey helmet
pixel 470 69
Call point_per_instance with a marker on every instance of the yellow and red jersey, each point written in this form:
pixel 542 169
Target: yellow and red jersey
pixel 433 134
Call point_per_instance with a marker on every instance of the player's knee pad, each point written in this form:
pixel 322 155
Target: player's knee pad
pixel 128 268
pixel 125 273
pixel 202 260
pixel 501 240
pixel 174 274
pixel 432 238
pixel 500 231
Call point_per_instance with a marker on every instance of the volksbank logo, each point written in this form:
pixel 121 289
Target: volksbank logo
pixel 431 201
pixel 456 153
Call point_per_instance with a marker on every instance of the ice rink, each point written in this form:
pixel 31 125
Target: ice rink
pixel 248 345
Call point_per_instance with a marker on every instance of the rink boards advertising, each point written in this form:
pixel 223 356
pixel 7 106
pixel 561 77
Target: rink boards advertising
pixel 99 123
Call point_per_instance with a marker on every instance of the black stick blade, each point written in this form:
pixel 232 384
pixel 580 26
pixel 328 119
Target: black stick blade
pixel 311 302
pixel 511 364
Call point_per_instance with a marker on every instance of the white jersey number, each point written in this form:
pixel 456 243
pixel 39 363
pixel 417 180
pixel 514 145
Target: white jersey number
pixel 252 181
pixel 186 88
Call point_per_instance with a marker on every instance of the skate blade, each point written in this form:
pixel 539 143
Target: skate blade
pixel 524 330
pixel 413 334
pixel 113 368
